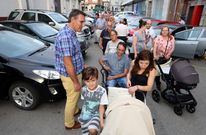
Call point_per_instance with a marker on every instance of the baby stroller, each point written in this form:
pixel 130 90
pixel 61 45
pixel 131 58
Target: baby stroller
pixel 181 79
pixel 126 115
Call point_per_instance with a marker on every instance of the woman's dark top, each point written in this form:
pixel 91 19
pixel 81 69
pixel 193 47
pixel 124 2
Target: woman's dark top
pixel 139 80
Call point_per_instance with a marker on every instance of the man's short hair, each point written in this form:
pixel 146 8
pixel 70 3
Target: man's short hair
pixel 123 44
pixel 75 13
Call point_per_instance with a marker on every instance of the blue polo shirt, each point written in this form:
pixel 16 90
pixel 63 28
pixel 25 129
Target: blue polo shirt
pixel 116 65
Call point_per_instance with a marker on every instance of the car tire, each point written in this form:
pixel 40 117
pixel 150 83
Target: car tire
pixel 24 95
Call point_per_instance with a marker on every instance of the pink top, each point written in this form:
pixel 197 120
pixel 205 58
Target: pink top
pixel 163 48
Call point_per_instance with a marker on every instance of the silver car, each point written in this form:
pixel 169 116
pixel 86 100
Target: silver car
pixel 190 43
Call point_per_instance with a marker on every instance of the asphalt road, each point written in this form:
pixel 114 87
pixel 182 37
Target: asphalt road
pixel 48 118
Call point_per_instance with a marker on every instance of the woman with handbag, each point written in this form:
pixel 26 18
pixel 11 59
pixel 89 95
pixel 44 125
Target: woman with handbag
pixel 164 46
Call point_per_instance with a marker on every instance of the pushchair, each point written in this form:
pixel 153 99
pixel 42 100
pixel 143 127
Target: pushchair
pixel 126 115
pixel 180 79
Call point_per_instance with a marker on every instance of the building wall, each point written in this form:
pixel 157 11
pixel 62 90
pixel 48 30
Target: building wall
pixel 160 9
pixel 203 17
pixel 8 5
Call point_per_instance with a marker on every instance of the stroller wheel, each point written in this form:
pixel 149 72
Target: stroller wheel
pixel 190 108
pixel 156 95
pixel 178 110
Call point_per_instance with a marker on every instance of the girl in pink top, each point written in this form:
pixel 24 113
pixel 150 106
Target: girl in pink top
pixel 164 44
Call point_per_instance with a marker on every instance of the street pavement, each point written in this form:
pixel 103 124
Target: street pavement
pixel 48 118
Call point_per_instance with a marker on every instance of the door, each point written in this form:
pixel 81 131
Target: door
pixel 185 44
pixel 196 15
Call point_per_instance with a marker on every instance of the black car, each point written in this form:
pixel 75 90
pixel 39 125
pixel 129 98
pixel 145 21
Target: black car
pixel 27 73
pixel 40 31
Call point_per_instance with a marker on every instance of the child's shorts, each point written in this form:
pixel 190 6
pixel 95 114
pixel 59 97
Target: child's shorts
pixel 94 123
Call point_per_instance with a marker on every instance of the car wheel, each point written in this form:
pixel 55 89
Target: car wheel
pixel 24 95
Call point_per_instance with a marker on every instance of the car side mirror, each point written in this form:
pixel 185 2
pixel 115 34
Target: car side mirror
pixel 51 23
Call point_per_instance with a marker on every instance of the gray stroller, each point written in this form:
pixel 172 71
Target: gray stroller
pixel 181 79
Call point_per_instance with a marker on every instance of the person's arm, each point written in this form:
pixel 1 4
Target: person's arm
pixel 107 48
pixel 100 42
pixel 101 113
pixel 129 74
pixel 155 49
pixel 103 102
pixel 71 72
pixel 147 87
pixel 103 64
pixel 134 44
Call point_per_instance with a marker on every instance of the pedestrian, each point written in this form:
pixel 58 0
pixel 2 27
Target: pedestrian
pixel 69 63
pixel 181 21
pixel 117 66
pixel 141 76
pixel 164 46
pixel 138 40
pixel 112 44
pixel 94 99
pixel 150 35
pixel 105 37
pixel 122 30
pixel 100 25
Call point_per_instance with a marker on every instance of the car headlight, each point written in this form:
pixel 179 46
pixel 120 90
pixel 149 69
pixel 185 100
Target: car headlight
pixel 47 74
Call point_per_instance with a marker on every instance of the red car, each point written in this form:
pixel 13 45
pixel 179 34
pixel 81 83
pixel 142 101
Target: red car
pixel 154 23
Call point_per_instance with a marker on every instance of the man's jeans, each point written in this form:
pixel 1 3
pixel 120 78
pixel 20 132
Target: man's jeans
pixel 120 82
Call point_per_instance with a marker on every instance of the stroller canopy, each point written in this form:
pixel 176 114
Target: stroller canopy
pixel 128 116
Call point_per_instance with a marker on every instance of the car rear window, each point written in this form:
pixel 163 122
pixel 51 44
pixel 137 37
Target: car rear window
pixel 13 15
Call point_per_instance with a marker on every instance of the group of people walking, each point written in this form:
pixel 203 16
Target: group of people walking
pixel 138 75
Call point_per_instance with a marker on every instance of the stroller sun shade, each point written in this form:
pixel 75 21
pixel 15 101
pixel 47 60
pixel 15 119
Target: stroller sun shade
pixel 183 72
pixel 126 115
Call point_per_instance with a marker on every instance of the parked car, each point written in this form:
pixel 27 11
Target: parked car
pixel 54 19
pixel 41 31
pixel 27 73
pixel 121 15
pixel 190 43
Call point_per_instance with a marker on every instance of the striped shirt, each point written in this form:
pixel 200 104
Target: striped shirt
pixel 67 44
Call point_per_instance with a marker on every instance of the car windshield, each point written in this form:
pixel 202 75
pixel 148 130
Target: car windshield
pixel 42 29
pixel 14 44
pixel 59 18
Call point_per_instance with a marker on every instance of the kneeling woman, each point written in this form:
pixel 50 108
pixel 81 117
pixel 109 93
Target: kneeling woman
pixel 141 76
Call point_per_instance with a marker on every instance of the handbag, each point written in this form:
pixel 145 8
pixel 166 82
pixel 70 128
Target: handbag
pixel 162 59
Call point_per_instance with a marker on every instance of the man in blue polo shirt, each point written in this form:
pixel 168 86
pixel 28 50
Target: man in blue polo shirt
pixel 117 66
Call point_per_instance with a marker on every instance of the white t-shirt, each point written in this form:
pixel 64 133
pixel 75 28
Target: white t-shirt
pixel 112 46
pixel 182 22
pixel 122 30
pixel 150 32
pixel 149 35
